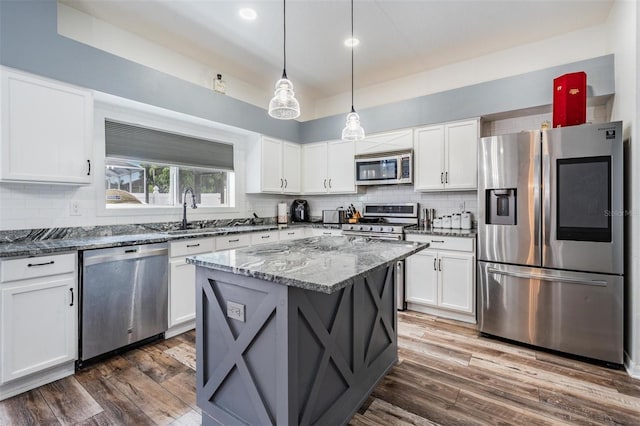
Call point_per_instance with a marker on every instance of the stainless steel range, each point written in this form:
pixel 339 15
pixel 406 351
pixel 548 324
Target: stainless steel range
pixel 386 221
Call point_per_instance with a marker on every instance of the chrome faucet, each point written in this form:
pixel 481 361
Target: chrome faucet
pixel 184 205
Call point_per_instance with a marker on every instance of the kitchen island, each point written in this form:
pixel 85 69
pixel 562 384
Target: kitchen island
pixel 295 332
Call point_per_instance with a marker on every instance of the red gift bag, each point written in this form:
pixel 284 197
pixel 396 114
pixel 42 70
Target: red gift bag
pixel 570 99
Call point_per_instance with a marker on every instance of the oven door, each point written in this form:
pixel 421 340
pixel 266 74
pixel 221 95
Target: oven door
pixel 583 204
pixel 377 170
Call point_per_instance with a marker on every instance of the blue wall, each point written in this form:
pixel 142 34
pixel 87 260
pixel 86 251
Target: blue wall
pixel 29 41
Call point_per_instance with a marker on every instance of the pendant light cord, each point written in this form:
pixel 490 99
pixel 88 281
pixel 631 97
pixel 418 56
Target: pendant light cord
pixel 352 109
pixel 284 39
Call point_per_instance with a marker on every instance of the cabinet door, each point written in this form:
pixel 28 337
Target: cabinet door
pixel 461 146
pixel 422 278
pixel 314 168
pixel 456 281
pixel 398 140
pixel 182 292
pixel 291 156
pixel 38 326
pixel 46 130
pixel 429 158
pixel 341 166
pixel 271 176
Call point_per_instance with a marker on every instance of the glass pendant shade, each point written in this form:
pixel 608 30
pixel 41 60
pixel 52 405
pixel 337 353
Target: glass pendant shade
pixel 353 131
pixel 284 105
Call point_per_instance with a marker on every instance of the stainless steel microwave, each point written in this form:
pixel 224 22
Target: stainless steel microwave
pixel 384 168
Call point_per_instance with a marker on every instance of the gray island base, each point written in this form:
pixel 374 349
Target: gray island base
pixel 296 332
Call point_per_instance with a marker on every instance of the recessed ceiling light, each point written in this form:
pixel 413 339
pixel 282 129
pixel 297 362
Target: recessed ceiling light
pixel 247 14
pixel 351 42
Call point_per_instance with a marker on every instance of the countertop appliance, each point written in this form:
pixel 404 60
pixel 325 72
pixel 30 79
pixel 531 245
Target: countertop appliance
pixel 550 239
pixel 386 221
pixel 300 211
pixel 334 216
pixel 124 297
pixel 384 168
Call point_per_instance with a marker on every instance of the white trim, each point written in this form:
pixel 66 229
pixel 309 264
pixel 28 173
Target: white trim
pixel 179 329
pixel 444 313
pixel 632 368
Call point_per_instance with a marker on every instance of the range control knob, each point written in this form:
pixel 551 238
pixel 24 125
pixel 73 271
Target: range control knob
pixel 381 229
pixel 371 228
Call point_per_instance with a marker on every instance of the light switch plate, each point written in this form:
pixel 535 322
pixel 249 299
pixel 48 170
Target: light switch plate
pixel 235 311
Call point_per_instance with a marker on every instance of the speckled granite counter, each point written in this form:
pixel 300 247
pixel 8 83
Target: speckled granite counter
pixel 46 241
pixel 324 264
pixel 443 232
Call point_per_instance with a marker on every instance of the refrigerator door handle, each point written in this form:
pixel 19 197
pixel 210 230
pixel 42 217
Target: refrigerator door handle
pixel 543 277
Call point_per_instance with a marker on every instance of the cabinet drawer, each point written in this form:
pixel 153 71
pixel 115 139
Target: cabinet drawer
pixel 34 267
pixel 445 243
pixel 320 232
pixel 189 247
pixel 264 237
pixel 232 241
pixel 292 234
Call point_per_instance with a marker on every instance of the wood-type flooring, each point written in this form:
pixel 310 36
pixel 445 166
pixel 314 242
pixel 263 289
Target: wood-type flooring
pixel 447 375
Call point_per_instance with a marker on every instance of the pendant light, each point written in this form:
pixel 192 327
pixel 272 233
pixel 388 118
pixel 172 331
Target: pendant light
pixel 352 131
pixel 284 105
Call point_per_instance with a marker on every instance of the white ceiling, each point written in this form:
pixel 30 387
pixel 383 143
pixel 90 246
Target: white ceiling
pixel 397 37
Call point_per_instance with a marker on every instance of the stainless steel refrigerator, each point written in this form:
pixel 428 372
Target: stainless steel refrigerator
pixel 550 239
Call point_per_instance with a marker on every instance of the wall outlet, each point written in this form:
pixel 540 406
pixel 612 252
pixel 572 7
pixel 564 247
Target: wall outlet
pixel 74 208
pixel 235 311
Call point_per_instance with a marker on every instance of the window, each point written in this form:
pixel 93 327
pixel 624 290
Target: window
pixel 146 167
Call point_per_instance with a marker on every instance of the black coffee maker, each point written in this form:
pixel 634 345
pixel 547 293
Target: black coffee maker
pixel 300 211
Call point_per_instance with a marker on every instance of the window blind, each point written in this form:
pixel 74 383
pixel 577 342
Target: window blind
pixel 142 144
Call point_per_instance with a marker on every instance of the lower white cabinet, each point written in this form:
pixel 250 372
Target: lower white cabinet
pixel 182 283
pixel 38 321
pixel 264 237
pixel 440 280
pixel 233 241
pixel 294 233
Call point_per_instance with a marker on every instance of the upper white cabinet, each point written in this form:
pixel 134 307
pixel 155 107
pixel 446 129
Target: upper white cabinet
pixel 273 166
pixel 445 156
pixel 328 167
pixel 46 132
pixel 398 140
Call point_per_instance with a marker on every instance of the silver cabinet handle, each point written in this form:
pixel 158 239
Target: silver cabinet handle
pixel 193 245
pixel 329 183
pixel 291 233
pixel 31 265
pixel 234 241
pixel 71 290
pixel 265 236
pixel 281 183
pixel 286 183
pixel 437 241
pixel 325 184
pixel 440 265
pixel 89 169
pixel 434 264
pixel 446 177
pixel 441 177
pixel 544 277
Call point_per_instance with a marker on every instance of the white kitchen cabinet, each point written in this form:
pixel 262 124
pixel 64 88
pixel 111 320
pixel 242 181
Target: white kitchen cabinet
pixel 440 280
pixel 397 140
pixel 46 134
pixel 273 166
pixel 328 167
pixel 445 156
pixel 38 321
pixel 294 233
pixel 232 241
pixel 264 237
pixel 182 283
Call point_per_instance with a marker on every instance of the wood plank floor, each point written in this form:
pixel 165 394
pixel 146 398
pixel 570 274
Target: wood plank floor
pixel 447 375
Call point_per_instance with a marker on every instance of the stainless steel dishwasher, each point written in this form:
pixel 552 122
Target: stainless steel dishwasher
pixel 124 296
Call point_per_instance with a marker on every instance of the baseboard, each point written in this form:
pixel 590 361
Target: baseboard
pixel 470 318
pixel 179 329
pixel 633 369
pixel 35 380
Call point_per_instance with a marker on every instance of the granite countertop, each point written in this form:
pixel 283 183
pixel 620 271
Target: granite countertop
pixel 323 264
pixel 443 232
pixel 65 243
